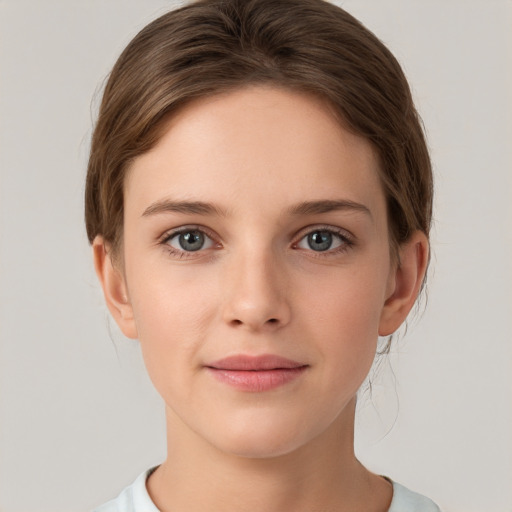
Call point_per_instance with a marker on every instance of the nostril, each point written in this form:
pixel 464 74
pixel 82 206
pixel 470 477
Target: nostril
pixel 273 320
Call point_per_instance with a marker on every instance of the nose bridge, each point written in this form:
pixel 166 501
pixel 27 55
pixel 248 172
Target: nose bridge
pixel 256 289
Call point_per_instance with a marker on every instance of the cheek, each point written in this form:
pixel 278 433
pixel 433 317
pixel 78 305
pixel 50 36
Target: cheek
pixel 350 300
pixel 344 318
pixel 168 298
pixel 173 312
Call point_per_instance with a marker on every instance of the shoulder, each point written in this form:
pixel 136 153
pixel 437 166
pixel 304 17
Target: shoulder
pixel 134 498
pixel 405 500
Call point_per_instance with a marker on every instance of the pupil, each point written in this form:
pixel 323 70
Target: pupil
pixel 320 240
pixel 191 240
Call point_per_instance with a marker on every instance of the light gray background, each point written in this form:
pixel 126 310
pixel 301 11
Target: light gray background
pixel 79 418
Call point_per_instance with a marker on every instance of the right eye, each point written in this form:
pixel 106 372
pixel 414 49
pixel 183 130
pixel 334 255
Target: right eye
pixel 189 240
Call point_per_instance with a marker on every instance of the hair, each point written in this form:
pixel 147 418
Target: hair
pixel 214 46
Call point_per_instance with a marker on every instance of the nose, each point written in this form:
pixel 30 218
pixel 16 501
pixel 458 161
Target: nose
pixel 256 293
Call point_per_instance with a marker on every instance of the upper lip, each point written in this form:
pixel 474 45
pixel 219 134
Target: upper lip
pixel 254 363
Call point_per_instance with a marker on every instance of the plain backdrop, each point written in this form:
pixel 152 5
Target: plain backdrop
pixel 79 419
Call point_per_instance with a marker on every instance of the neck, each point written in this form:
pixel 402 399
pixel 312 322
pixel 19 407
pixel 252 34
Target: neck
pixel 323 474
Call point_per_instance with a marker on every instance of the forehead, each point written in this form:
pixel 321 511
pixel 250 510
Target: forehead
pixel 255 146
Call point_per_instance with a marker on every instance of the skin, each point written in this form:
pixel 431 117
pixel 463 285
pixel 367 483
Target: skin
pixel 258 286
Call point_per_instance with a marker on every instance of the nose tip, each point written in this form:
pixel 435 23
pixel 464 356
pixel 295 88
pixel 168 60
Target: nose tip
pixel 256 298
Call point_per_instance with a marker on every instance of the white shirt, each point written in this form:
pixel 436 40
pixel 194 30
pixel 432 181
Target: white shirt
pixel 135 498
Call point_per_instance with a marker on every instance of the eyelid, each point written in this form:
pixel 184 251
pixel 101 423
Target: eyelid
pixel 347 239
pixel 343 233
pixel 170 233
pixel 182 254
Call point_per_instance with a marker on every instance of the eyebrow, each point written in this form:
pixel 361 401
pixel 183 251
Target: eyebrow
pixel 326 206
pixel 204 208
pixel 186 207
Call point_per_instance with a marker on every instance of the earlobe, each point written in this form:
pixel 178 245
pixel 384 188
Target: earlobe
pixel 114 287
pixel 405 283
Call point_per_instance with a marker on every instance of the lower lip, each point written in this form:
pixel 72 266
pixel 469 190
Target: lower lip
pixel 257 381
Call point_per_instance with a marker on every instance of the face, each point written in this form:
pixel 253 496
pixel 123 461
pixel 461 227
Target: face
pixel 256 269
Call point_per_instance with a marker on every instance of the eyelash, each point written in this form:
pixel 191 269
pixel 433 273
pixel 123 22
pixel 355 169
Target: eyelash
pixel 182 254
pixel 346 239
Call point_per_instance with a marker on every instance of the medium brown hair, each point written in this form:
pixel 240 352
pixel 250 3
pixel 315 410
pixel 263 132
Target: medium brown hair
pixel 213 46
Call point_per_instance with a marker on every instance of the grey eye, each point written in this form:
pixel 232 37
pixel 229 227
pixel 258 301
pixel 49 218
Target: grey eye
pixel 191 240
pixel 320 240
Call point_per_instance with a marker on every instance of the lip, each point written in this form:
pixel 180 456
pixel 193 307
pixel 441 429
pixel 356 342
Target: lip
pixel 256 373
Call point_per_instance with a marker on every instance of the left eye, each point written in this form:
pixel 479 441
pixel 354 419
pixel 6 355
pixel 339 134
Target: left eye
pixel 190 240
pixel 321 240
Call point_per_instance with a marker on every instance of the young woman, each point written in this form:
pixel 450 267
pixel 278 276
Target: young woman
pixel 258 200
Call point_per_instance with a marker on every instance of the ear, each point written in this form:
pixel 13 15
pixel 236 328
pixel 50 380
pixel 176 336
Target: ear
pixel 113 282
pixel 404 283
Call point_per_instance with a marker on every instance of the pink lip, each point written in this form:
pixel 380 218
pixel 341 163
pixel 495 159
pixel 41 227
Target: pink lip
pixel 256 373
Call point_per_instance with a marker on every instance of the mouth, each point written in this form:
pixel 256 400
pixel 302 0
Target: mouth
pixel 256 373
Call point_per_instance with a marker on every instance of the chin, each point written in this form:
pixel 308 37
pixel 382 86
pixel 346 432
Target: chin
pixel 263 437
